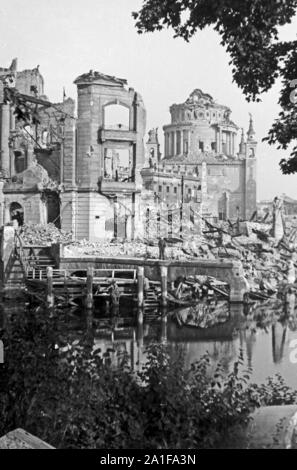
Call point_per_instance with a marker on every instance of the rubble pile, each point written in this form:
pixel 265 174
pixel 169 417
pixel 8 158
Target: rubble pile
pixel 198 247
pixel 131 249
pixel 43 235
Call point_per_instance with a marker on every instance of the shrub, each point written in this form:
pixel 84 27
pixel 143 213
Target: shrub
pixel 70 398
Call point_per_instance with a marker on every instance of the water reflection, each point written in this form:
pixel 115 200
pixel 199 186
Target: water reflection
pixel 263 332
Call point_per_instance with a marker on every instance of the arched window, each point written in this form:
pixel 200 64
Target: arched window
pixel 116 116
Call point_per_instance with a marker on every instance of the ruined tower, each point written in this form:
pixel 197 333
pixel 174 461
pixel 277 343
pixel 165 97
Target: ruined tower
pixel 110 153
pixel 153 148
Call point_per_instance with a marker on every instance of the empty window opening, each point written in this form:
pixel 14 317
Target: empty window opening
pixel 16 213
pixel 116 116
pixel 117 165
pixel 20 161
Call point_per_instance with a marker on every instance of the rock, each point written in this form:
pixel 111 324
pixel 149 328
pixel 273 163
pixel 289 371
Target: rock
pixel 20 439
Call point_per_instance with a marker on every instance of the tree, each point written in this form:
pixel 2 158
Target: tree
pixel 250 32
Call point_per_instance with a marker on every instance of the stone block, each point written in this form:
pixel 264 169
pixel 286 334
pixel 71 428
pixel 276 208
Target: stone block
pixel 20 439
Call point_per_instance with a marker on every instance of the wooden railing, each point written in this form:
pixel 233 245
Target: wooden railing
pixel 118 275
pixel 41 274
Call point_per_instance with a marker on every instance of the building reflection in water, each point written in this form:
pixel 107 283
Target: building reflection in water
pixel 265 349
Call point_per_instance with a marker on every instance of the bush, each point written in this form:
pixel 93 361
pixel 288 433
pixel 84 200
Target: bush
pixel 70 398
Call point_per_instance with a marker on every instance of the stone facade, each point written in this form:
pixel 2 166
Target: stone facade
pixel 110 153
pixel 89 174
pixel 201 141
pixel 82 173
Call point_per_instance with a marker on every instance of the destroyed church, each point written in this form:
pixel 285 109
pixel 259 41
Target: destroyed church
pixel 90 170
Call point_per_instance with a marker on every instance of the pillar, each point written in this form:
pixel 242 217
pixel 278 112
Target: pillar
pixel 140 285
pixel 140 335
pixel 181 142
pixel 164 275
pixel 189 141
pixel 6 213
pixel 172 143
pixel 1 204
pixel 167 140
pixel 220 141
pixel 49 287
pixel 30 154
pixel 233 143
pixel 73 214
pixel 90 277
pixel 5 129
pixel 164 329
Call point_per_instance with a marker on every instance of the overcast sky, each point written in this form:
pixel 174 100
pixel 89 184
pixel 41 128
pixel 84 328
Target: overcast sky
pixel 70 37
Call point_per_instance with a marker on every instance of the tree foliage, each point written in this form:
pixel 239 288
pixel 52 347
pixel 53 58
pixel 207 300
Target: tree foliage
pixel 249 29
pixel 72 398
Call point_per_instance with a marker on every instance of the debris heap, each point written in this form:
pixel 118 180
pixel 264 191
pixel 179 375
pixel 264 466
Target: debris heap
pixel 43 235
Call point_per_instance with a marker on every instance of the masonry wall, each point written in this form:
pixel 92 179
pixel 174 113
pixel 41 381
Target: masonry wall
pixel 92 100
pixel 35 210
pixel 27 79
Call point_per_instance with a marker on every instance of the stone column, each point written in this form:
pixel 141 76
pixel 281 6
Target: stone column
pixel 73 213
pixel 181 142
pixel 1 204
pixel 6 213
pixel 30 154
pixel 5 129
pixel 50 298
pixel 233 143
pixel 189 140
pixel 229 143
pixel 140 286
pixel 164 276
pixel 175 143
pixel 220 141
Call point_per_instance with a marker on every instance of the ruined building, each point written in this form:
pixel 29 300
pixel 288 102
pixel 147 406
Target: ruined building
pixel 110 153
pixel 86 170
pixel 35 153
pixel 82 173
pixel 203 164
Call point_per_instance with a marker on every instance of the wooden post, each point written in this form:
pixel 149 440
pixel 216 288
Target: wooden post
pixel 140 317
pixel 50 288
pixel 164 329
pixel 164 272
pixel 140 285
pixel 90 277
pixel 139 332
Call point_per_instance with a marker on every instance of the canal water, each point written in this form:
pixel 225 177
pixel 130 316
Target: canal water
pixel 265 332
